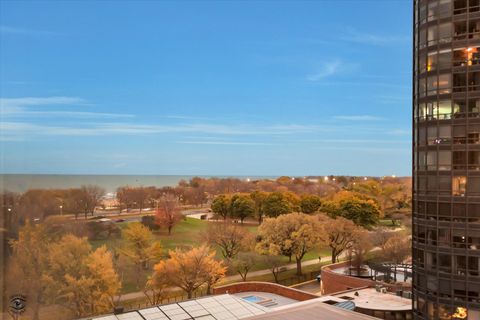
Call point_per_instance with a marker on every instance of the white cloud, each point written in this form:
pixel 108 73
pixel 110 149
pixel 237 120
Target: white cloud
pixel 226 143
pixel 374 39
pixel 400 132
pixel 356 141
pixel 358 118
pixel 69 114
pixel 328 69
pixel 26 129
pixel 29 107
pixel 25 31
pixel 39 101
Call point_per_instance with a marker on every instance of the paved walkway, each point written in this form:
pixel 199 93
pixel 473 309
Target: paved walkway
pixel 234 278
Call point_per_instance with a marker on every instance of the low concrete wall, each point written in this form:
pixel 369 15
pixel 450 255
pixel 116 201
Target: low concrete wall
pixel 264 287
pixel 333 282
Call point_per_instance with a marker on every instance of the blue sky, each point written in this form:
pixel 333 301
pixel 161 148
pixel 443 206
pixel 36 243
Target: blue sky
pixel 208 88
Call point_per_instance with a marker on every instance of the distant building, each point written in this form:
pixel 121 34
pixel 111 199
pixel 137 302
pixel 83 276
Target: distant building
pixel 446 159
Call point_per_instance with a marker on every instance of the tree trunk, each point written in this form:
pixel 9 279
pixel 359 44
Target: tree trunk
pixel 290 258
pixel 275 275
pixel 334 255
pixel 169 230
pixel 299 266
pixel 189 294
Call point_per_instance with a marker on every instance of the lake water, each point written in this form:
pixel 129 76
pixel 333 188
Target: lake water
pixel 23 182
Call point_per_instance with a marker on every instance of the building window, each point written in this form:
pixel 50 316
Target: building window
pixel 444 237
pixel 473 186
pixel 431 160
pixel 459 186
pixel 444 109
pixel 459 240
pixel 459 159
pixel 459 135
pixel 459 109
pixel 459 6
pixel 460 265
pixel 474 160
pixel 444 160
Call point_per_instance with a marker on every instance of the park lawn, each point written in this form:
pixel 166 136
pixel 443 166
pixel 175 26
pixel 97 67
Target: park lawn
pixel 388 223
pixel 282 276
pixel 186 233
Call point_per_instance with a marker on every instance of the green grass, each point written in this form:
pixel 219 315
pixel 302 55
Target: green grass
pixel 187 233
pixel 289 274
pixel 388 223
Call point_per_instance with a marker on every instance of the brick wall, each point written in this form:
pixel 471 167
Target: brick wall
pixel 333 282
pixel 264 287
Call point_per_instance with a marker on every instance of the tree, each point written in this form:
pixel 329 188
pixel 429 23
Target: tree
pixel 221 206
pixel 92 196
pixel 396 250
pixel 28 264
pixel 243 263
pixel 156 289
pixel 150 223
pixel 141 196
pixel 80 279
pixel 275 204
pixel 125 197
pixel 140 246
pixel 195 195
pixel 290 234
pixel 242 207
pixel 381 236
pixel 37 204
pixel 258 198
pixel 364 212
pixel 310 204
pixel 102 230
pixel 75 201
pixel 230 238
pixel 274 263
pixel 339 234
pixel 188 270
pixel 359 249
pixel 168 213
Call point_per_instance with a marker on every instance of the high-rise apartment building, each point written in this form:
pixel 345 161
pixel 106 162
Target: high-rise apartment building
pixel 446 159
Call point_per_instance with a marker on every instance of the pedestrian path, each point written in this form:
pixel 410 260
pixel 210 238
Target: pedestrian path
pixel 234 278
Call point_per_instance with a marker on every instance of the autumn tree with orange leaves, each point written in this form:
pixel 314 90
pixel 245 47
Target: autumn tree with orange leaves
pixel 168 212
pixel 188 270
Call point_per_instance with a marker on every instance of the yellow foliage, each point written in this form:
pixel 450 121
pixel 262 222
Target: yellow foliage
pixel 80 279
pixel 141 246
pixel 188 270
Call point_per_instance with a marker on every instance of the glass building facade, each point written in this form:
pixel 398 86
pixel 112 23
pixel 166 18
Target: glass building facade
pixel 446 159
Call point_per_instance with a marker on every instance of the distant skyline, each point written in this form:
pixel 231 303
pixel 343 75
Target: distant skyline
pixel 206 88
